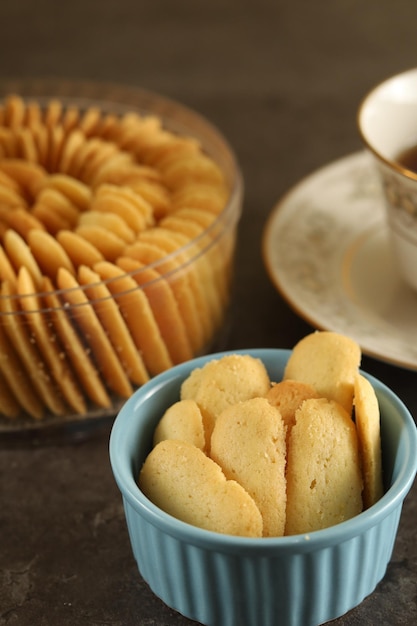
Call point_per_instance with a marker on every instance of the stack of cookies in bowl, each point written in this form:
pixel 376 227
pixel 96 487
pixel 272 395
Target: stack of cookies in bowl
pixel 117 234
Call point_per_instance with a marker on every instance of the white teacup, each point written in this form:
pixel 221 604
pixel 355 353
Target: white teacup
pixel 387 120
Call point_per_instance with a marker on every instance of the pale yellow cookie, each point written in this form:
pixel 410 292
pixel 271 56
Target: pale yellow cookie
pixel 72 144
pixel 329 362
pixel 186 290
pixel 49 253
pixel 208 197
pixel 109 123
pixel 138 315
pixel 9 145
pixel 223 382
pixel 204 218
pixel 182 421
pixel 52 113
pixel 154 193
pixel 211 259
pixel 154 247
pixel 26 144
pixel 33 113
pixel 123 201
pixel 56 144
pixel 59 204
pixel 120 160
pixel 51 220
pixel 8 181
pixel 94 153
pixel 78 354
pixel 367 418
pixel 27 175
pixel 70 118
pixel 115 326
pixel 11 198
pixel 164 307
pixel 14 111
pixel 109 244
pixel 34 364
pixel 324 481
pixel 181 480
pixel 93 333
pixel 17 380
pixel 205 295
pixel 79 250
pixel 107 199
pixel 248 442
pixel 287 396
pixel 90 121
pixel 41 139
pixel 172 321
pixel 141 205
pixel 110 221
pixel 7 271
pixel 48 343
pixel 74 190
pixel 190 167
pixel 20 255
pixel 163 149
pixel 23 222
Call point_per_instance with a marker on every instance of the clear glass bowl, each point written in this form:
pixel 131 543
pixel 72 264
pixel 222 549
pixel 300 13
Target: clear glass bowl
pixel 80 332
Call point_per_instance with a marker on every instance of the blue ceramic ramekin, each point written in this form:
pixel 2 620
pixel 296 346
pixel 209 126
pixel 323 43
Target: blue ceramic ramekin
pixel 220 580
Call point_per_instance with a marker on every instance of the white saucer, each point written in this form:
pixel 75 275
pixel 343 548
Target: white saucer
pixel 327 251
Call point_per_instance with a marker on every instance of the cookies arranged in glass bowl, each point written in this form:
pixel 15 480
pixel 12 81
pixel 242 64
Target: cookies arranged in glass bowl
pixel 118 218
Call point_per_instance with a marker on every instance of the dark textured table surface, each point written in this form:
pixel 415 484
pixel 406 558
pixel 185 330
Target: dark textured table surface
pixel 282 80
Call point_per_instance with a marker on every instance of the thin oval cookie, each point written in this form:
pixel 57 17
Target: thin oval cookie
pixel 110 221
pixel 49 253
pixel 115 326
pixel 74 190
pixel 11 198
pixel 324 481
pixel 187 298
pixel 184 482
pixel 212 259
pixel 287 396
pixel 48 343
pixel 222 382
pixel 58 203
pixel 93 333
pixel 20 255
pixel 77 353
pixel 168 270
pixel 206 299
pixel 23 222
pixel 208 197
pixel 367 419
pixel 182 421
pixel 329 362
pixel 7 271
pixel 29 354
pixel 108 243
pixel 249 444
pixel 138 315
pixel 164 307
pixel 27 175
pixel 79 250
pixel 17 379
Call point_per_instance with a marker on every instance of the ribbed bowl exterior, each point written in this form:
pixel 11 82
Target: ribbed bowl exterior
pixel 219 580
pixel 275 589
